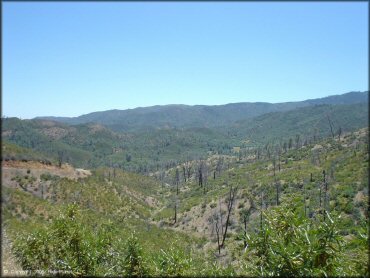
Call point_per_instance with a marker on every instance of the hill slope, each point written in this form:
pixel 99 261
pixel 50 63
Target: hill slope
pixel 92 145
pixel 307 122
pixel 198 115
pixel 113 204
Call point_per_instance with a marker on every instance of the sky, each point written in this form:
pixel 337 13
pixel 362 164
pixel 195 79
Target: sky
pixel 69 59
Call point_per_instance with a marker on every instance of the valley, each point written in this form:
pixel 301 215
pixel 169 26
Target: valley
pixel 281 190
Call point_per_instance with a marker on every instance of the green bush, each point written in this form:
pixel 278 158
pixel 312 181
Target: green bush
pixel 67 246
pixel 134 264
pixel 173 262
pixel 292 245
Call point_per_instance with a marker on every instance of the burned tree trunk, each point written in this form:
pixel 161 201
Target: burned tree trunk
pixel 325 192
pixel 218 236
pixel 177 180
pixel 222 229
pixel 175 216
pixel 277 185
pixel 331 125
pixel 261 214
pixel 230 203
pixel 184 173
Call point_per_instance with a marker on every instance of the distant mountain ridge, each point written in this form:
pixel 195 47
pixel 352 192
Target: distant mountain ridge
pixel 185 116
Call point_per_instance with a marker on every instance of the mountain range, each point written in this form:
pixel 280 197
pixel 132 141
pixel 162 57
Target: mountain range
pixel 185 116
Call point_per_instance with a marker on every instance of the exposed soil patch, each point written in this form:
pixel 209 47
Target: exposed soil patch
pixel 9 265
pixel 35 178
pixel 37 168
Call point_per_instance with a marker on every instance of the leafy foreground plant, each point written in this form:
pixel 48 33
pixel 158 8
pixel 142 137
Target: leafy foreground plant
pixel 67 246
pixel 290 244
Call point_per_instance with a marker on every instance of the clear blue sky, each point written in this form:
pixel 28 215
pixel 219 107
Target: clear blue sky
pixel 68 59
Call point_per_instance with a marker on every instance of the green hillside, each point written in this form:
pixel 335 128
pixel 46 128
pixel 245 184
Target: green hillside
pixel 307 122
pixel 92 145
pixel 134 216
pixel 280 194
pixel 185 116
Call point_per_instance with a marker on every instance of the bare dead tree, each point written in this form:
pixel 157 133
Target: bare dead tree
pixel 219 165
pixel 175 213
pixel 325 192
pixel 188 169
pixel 330 124
pixel 177 180
pixel 261 214
pixel 61 156
pixel 339 133
pixel 279 157
pixel 220 212
pixel 218 236
pixel 290 144
pixel 230 203
pixel 175 209
pixel 200 173
pixel 258 153
pixel 304 200
pixel 297 140
pixel 245 214
pixel 320 205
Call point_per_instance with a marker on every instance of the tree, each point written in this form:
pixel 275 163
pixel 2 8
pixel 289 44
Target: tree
pixel 217 229
pixel 331 125
pixel 175 207
pixel 290 144
pixel 184 172
pixel 202 173
pixel 261 211
pixel 230 202
pixel 244 215
pixel 277 186
pixel 188 169
pixel 325 192
pixel 219 165
pixel 297 140
pixel 339 133
pixel 177 180
pixel 61 157
pixel 285 147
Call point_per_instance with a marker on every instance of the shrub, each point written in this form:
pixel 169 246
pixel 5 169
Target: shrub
pixel 292 245
pixel 173 262
pixel 66 245
pixel 134 263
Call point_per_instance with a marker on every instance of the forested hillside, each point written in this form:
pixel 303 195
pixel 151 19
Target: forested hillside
pixel 302 211
pixel 308 122
pixel 284 193
pixel 144 151
pixel 185 116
